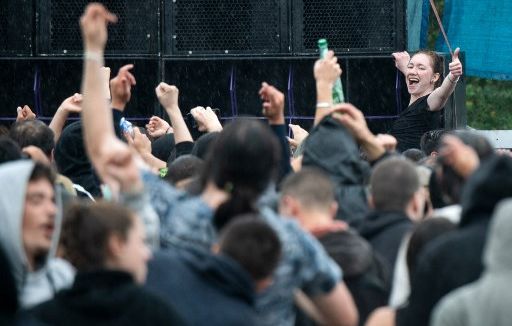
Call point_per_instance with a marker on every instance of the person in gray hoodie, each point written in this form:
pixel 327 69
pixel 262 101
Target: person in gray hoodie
pixel 30 218
pixel 486 301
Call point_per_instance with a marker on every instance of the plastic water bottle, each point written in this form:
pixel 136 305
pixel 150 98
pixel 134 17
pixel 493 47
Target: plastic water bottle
pixel 126 126
pixel 337 90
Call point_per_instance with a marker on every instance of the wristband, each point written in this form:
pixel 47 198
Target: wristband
pixel 94 56
pixel 453 81
pixel 323 105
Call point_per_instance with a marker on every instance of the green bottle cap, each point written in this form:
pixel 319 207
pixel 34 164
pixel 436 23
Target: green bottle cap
pixel 322 43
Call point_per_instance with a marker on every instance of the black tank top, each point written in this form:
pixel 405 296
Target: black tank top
pixel 413 123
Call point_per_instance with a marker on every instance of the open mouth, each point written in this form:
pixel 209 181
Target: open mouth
pixel 413 80
pixel 48 230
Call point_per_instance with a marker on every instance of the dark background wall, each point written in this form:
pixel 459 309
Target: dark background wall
pixel 216 51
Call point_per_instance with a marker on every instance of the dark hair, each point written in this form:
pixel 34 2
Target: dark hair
pixel 450 182
pixel 9 150
pixel 414 154
pixel 479 143
pixel 43 171
pixel 437 198
pixel 87 229
pixel 203 144
pixel 253 244
pixel 184 167
pixel 310 186
pixel 243 161
pixel 437 64
pixel 35 133
pixel 4 131
pixel 431 140
pixel 423 233
pixel 393 184
pixel 163 147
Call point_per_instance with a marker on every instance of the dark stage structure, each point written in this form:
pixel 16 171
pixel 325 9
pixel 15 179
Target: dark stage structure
pixel 216 51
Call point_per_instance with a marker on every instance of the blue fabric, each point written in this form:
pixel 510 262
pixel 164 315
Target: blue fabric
pixel 186 224
pixel 417 24
pixel 483 29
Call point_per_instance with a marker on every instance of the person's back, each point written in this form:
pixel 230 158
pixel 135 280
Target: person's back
pixel 308 197
pixel 397 200
pixel 244 173
pixel 364 271
pixel 441 266
pixel 218 289
pixel 207 290
pixel 104 297
pixel 485 302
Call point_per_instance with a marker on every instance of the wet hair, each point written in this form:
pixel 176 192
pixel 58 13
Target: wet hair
pixel 43 171
pixel 414 154
pixel 87 229
pixel 253 244
pixel 9 150
pixel 431 140
pixel 243 161
pixel 33 133
pixel 423 233
pixel 184 167
pixel 203 144
pixel 310 186
pixel 436 62
pixel 393 183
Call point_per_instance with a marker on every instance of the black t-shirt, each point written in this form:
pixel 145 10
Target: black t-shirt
pixel 413 123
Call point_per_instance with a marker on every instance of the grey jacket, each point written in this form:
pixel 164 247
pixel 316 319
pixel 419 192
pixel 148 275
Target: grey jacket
pixel 487 301
pixel 39 285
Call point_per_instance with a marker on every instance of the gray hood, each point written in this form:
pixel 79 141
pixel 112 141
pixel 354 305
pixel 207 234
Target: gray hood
pixel 14 177
pixel 497 257
pixel 488 300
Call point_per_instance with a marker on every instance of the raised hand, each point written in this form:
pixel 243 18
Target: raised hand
pixel 299 135
pixel 327 70
pixel 139 142
pixel 24 113
pixel 118 168
pixel 455 66
pixel 353 119
pixel 401 60
pixel 121 87
pixel 94 26
pixel 273 103
pixel 167 95
pixel 36 154
pixel 389 142
pixel 157 127
pixel 462 158
pixel 72 104
pixel 206 119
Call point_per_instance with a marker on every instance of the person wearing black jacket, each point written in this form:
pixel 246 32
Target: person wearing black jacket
pixel 308 197
pixel 398 200
pixel 219 288
pixel 106 245
pixel 455 259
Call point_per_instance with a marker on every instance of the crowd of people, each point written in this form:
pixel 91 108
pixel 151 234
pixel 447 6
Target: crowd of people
pixel 111 224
